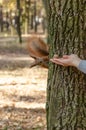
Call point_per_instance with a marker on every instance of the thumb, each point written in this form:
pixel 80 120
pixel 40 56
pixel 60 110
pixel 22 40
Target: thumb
pixel 65 56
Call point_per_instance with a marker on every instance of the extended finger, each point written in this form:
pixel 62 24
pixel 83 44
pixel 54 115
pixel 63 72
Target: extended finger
pixel 56 62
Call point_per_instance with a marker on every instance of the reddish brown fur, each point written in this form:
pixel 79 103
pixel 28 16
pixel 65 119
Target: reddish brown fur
pixel 38 49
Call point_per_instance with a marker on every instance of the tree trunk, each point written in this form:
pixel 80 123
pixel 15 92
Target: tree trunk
pixel 66 91
pixel 27 14
pixel 18 20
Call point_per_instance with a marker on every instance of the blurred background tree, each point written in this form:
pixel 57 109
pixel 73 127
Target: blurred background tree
pixel 25 17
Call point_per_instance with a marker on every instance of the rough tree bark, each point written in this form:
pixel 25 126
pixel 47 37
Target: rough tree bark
pixel 66 91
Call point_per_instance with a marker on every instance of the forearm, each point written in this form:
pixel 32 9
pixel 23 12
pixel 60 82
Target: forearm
pixel 82 66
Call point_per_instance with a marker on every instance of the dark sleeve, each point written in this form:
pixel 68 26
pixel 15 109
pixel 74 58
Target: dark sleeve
pixel 82 66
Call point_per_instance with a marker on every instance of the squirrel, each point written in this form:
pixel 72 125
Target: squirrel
pixel 38 50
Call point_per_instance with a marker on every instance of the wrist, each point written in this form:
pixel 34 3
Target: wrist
pixel 77 62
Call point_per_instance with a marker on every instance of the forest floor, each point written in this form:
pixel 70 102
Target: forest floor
pixel 22 91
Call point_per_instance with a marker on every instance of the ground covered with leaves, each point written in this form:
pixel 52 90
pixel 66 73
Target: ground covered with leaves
pixel 22 92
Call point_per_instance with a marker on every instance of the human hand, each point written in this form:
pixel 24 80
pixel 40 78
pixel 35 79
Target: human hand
pixel 66 60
